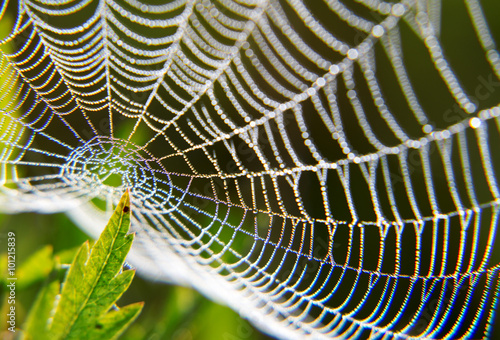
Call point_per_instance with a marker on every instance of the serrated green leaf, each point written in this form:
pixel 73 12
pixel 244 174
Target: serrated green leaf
pixel 112 324
pixel 94 283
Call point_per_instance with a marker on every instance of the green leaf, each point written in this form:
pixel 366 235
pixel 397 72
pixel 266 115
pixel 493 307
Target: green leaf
pixel 92 286
pixel 66 256
pixel 114 322
pixel 37 323
pixel 36 268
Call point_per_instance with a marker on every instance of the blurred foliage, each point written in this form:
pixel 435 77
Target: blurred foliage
pixel 170 312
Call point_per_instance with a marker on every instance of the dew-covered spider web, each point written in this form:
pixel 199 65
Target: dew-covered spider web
pixel 327 168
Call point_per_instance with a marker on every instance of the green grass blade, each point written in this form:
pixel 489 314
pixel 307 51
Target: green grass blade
pixel 94 283
pixel 36 268
pixel 37 323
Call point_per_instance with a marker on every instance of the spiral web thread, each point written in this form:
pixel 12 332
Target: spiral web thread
pixel 326 168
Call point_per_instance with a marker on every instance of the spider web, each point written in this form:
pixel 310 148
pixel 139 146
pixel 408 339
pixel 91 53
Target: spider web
pixel 326 168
